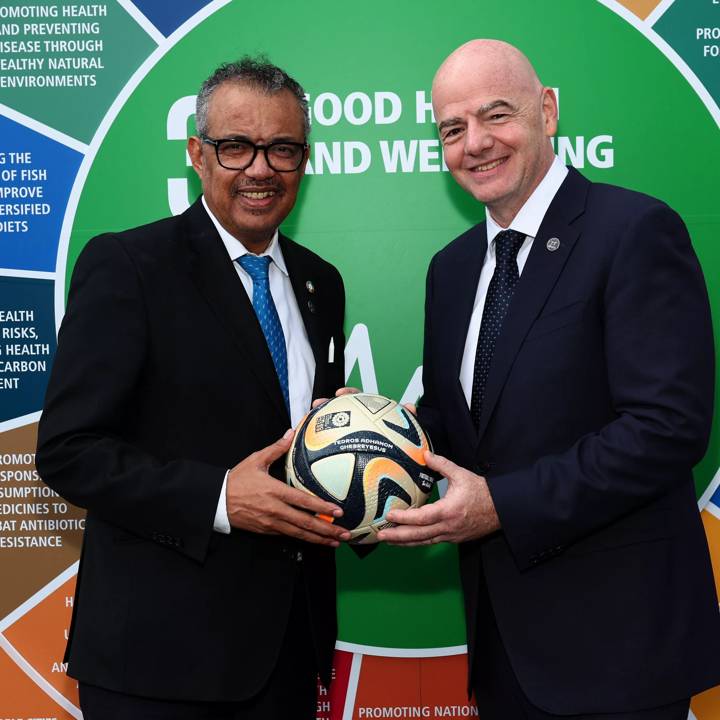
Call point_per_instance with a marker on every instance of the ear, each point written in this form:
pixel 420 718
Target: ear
pixel 550 111
pixel 195 151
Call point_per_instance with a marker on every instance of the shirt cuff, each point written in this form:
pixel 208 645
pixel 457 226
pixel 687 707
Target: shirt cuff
pixel 222 522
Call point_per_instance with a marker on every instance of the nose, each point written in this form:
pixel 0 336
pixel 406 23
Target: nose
pixel 478 138
pixel 259 168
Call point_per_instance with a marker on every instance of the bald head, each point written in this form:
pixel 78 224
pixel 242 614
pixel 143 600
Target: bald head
pixel 502 64
pixel 495 119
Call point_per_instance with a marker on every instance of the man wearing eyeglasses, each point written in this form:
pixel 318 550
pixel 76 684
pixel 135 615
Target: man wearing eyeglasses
pixel 206 587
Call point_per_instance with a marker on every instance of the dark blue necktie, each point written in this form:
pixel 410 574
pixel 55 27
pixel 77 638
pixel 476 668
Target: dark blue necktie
pixel 257 268
pixel 497 301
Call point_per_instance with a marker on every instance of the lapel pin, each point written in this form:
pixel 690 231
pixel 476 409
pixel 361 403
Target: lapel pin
pixel 552 244
pixel 310 287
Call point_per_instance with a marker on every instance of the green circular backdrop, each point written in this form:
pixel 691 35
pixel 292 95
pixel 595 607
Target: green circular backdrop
pixel 381 228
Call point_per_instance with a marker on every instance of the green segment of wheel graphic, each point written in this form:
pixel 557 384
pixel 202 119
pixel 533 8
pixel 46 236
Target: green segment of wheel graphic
pixel 623 109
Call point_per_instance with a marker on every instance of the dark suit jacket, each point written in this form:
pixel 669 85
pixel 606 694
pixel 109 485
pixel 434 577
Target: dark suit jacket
pixel 597 406
pixel 162 381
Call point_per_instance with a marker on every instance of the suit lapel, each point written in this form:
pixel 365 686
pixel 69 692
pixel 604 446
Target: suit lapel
pixel 463 278
pixel 304 285
pixel 217 281
pixel 538 278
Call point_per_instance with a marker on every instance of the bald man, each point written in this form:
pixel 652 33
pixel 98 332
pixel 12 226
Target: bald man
pixel 568 375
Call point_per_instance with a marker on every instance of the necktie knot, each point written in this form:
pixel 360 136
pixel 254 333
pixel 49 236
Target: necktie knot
pixel 257 267
pixel 497 303
pixel 507 245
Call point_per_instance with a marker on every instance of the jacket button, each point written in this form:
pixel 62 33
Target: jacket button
pixel 295 555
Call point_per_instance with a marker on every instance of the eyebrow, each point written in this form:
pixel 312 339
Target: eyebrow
pixel 247 138
pixel 480 111
pixel 494 104
pixel 449 122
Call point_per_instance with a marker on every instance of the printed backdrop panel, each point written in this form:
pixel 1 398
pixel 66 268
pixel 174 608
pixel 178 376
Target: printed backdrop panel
pixel 96 104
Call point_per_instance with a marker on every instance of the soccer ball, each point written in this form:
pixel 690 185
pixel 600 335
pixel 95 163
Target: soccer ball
pixel 365 454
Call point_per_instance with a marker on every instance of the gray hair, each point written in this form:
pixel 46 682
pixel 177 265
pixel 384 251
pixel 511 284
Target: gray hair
pixel 256 72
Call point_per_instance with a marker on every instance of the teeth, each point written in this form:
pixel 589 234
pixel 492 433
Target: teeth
pixel 258 195
pixel 489 166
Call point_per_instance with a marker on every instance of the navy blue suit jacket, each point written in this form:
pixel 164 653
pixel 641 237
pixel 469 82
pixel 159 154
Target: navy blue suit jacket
pixel 597 406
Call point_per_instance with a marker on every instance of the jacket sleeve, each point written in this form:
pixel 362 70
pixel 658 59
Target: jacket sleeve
pixel 85 448
pixel 428 414
pixel 659 354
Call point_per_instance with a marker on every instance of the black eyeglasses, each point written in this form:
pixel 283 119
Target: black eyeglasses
pixel 240 154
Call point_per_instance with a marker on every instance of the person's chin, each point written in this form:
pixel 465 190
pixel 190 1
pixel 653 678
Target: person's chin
pixel 485 194
pixel 258 213
pixel 481 188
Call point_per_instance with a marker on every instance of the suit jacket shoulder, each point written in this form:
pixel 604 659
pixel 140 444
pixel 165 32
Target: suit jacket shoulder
pixel 301 256
pixel 474 239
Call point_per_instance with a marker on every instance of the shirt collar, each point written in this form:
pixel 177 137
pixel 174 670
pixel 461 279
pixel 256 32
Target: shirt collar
pixel 531 214
pixel 236 249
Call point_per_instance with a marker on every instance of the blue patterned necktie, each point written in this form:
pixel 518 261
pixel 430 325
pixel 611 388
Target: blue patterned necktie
pixel 497 302
pixel 257 268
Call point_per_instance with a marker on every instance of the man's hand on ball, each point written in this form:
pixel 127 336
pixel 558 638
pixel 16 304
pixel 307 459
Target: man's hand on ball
pixel 466 512
pixel 258 502
pixel 338 393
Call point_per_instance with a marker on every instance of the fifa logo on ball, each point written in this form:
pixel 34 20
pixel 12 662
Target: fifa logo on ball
pixel 332 420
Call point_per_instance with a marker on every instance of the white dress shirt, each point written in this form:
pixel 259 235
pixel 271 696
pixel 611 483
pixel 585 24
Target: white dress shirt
pixel 301 362
pixel 527 221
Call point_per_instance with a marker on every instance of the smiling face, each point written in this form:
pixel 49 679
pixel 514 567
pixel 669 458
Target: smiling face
pixel 495 120
pixel 250 204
